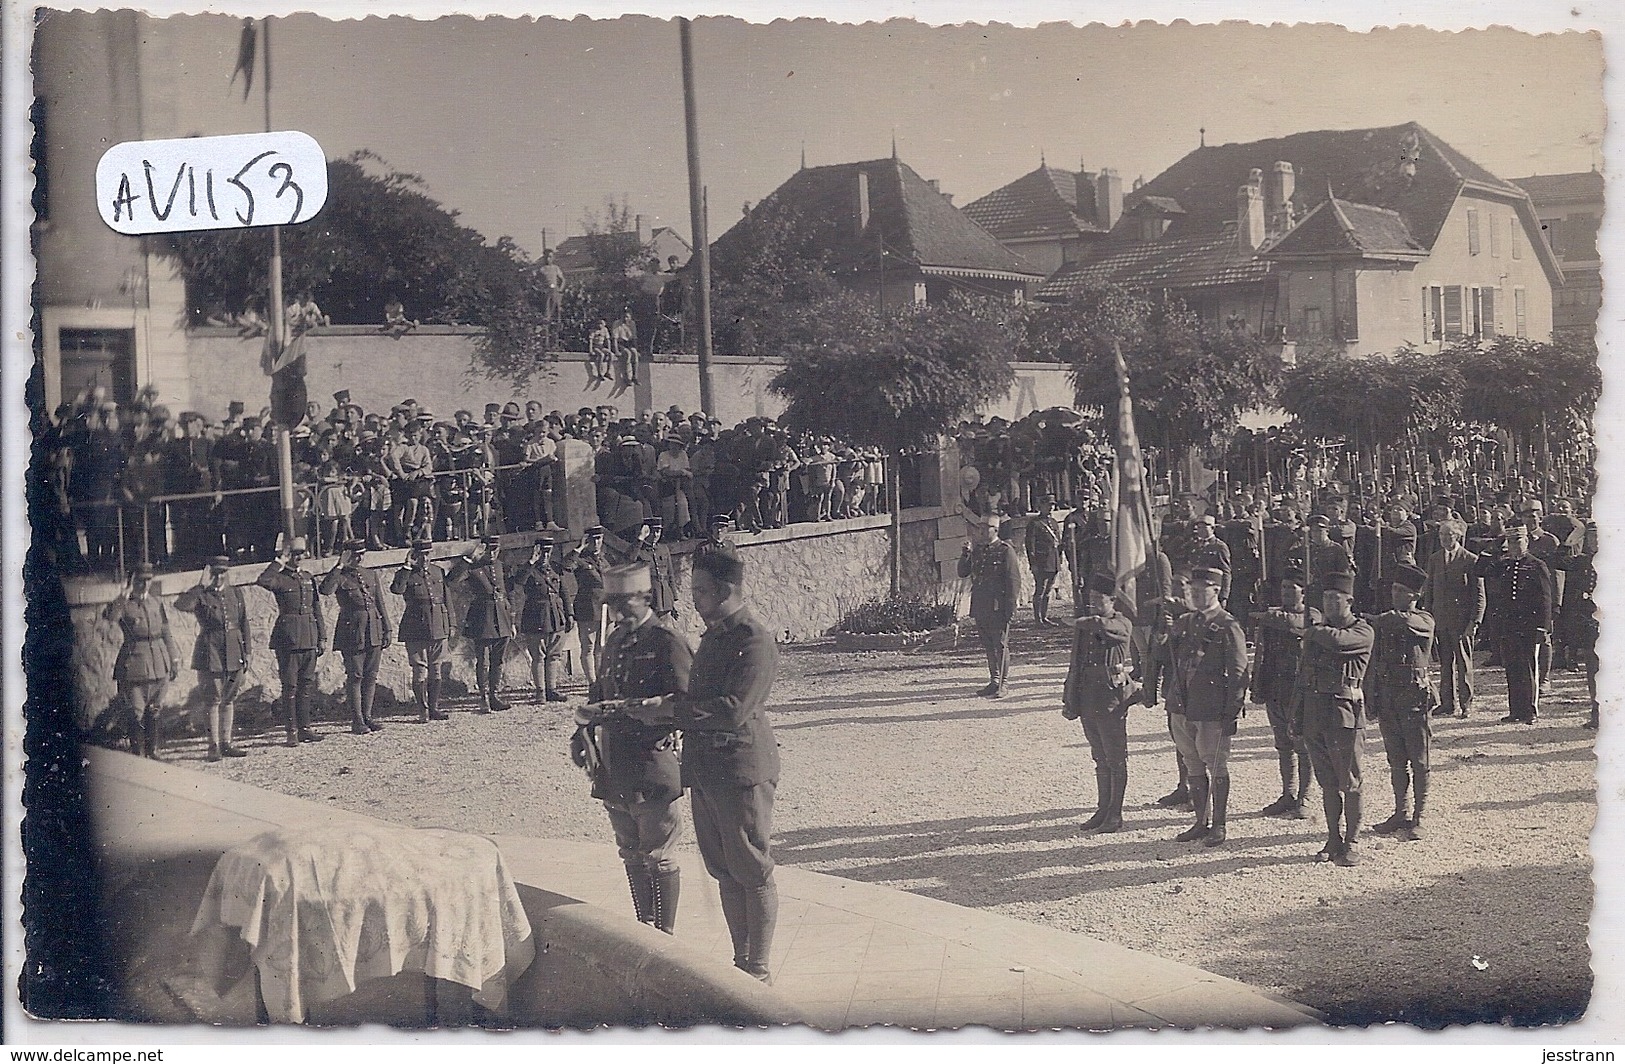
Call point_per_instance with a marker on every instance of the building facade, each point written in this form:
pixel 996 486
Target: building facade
pixel 1570 209
pixel 1051 217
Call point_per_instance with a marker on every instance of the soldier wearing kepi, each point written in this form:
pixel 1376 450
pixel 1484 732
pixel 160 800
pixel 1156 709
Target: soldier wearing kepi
pixel 730 759
pixel 221 652
pixel 1402 697
pixel 1330 711
pixel 633 765
pixel 1206 691
pixel 649 551
pixel 146 663
pixel 298 638
pixel 995 583
pixel 489 620
pixel 544 619
pixel 425 625
pixel 1524 593
pixel 1098 691
pixel 1275 676
pixel 361 633
pixel 1043 557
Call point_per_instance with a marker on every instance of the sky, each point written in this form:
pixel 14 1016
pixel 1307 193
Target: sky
pixel 521 125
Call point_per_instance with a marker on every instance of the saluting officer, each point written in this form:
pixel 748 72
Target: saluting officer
pixel 1043 556
pixel 633 765
pixel 544 618
pixel 425 625
pixel 1521 587
pixel 730 758
pixel 1402 697
pixel 489 620
pixel 146 662
pixel 1275 676
pixel 649 551
pixel 361 632
pixel 221 652
pixel 995 583
pixel 298 638
pixel 1098 691
pixel 1206 691
pixel 1330 712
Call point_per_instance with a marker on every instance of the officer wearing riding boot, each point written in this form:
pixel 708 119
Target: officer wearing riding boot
pixel 544 618
pixel 1330 711
pixel 425 625
pixel 1043 557
pixel 146 662
pixel 1098 691
pixel 489 620
pixel 361 633
pixel 1400 694
pixel 298 637
pixel 730 758
pixel 649 551
pixel 220 654
pixel 586 564
pixel 633 765
pixel 1207 688
pixel 995 583
pixel 1275 676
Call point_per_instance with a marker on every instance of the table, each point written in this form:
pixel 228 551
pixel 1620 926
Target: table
pixel 324 908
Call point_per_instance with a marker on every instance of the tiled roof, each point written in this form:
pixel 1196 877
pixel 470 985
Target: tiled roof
pixel 916 221
pixel 1341 227
pixel 1191 262
pixel 1161 204
pixel 1046 202
pixel 1584 187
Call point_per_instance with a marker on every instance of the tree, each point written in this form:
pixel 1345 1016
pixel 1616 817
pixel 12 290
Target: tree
pixel 769 280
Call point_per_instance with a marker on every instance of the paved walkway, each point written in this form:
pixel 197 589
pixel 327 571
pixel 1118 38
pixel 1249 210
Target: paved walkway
pixel 846 953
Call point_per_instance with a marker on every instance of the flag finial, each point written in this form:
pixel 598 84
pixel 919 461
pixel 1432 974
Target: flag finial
pixel 894 142
pixel 804 155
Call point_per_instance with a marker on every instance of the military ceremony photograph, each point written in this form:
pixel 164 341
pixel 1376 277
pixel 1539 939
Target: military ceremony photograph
pixel 983 528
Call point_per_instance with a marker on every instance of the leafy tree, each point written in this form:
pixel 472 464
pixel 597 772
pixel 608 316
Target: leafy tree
pixel 1513 383
pixel 1372 401
pixel 770 281
pixel 612 289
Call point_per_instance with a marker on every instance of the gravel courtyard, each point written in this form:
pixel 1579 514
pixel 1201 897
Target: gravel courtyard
pixel 896 773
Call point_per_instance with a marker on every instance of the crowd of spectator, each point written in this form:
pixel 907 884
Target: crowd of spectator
pixel 133 482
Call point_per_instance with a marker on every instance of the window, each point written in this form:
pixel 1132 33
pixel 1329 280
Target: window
pixel 1512 235
pixel 1486 312
pixel 1472 231
pixel 1452 312
pixel 98 356
pixel 1433 313
pixel 1495 237
pixel 1520 311
pixel 1311 321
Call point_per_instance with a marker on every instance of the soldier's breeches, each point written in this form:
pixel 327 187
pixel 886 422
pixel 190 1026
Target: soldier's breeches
pixel 733 826
pixel 425 658
pixel 645 832
pixel 1203 744
pixel 994 633
pixel 1520 655
pixel 1108 738
pixel 221 687
pixel 588 637
pixel 1455 670
pixel 488 657
pixel 361 676
pixel 1407 739
pixel 296 670
pixel 1335 754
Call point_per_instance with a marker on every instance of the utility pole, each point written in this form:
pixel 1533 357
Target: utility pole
pixel 696 214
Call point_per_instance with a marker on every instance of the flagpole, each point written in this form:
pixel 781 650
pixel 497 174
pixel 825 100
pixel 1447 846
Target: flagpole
pixel 277 302
pixel 696 215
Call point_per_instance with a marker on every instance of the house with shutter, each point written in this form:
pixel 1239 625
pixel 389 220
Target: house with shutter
pixel 1366 239
pixel 1570 210
pixel 1051 217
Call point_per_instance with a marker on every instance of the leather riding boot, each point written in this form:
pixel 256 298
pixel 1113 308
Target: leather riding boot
pixel 1103 799
pixel 1221 800
pixel 151 741
pixel 480 681
pixel 433 689
pixel 420 697
pixel 1332 802
pixel 733 914
pixel 352 695
pixel 1353 806
pixel 667 888
pixel 1114 814
pixel 761 915
pixel 228 728
pixel 1419 792
pixel 1402 785
pixel 369 688
pixel 642 884
pixel 1199 798
pixel 214 731
pixel 291 718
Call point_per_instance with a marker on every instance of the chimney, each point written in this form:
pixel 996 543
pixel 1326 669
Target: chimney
pixel 1108 198
pixel 1278 198
pixel 1250 213
pixel 936 186
pixel 643 234
pixel 860 203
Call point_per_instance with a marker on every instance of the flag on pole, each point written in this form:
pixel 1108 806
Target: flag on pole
pixel 245 58
pixel 1133 546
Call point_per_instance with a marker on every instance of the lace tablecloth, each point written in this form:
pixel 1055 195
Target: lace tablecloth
pixel 325 908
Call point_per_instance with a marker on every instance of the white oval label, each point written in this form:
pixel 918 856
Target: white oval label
pixel 233 182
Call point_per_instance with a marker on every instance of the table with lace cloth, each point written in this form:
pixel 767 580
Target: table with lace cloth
pixel 328 907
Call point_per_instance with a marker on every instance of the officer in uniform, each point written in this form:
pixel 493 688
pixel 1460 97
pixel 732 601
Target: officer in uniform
pixel 425 625
pixel 545 619
pixel 649 551
pixel 1098 691
pixel 632 764
pixel 1401 695
pixel 146 662
pixel 1043 556
pixel 1326 556
pixel 1208 551
pixel 1244 536
pixel 586 563
pixel 489 620
pixel 298 637
pixel 1330 711
pixel 361 633
pixel 221 652
pixel 1275 676
pixel 1086 543
pixel 720 539
pixel 1156 662
pixel 1523 587
pixel 1206 690
pixel 730 758
pixel 995 583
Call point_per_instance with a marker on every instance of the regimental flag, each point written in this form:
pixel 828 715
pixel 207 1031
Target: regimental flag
pixel 1133 549
pixel 245 57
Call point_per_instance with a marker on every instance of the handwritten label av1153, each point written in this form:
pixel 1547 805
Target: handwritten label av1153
pixel 233 182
